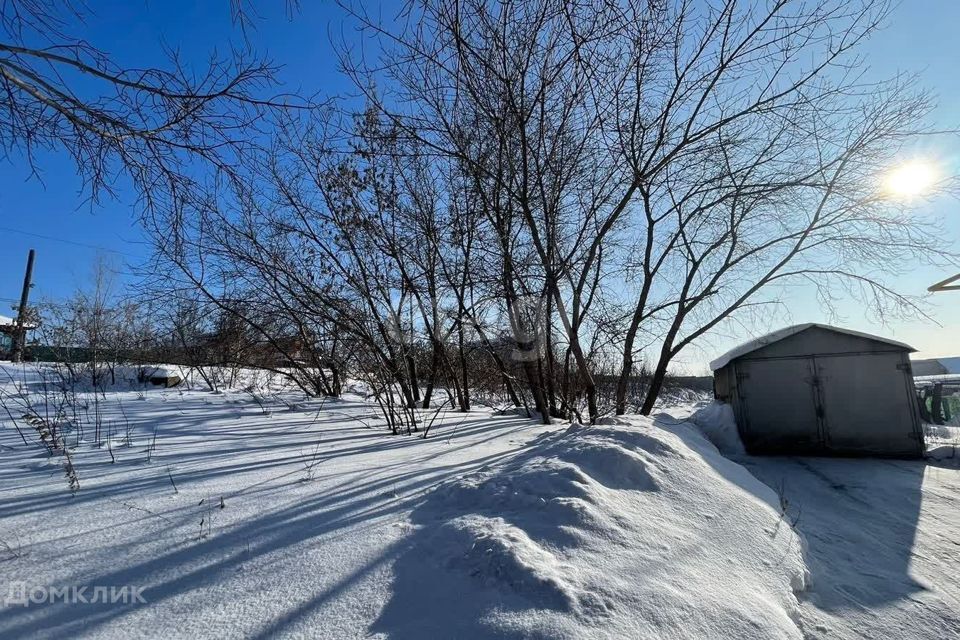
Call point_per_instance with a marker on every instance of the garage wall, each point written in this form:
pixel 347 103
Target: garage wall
pixel 852 396
pixel 869 405
pixel 776 405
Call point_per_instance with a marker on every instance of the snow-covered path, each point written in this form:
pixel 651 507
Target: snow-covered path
pixel 883 542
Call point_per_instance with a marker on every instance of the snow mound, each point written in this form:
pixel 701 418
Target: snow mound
pixel 941 433
pixel 497 554
pixel 717 422
pixel 617 530
pixel 942 442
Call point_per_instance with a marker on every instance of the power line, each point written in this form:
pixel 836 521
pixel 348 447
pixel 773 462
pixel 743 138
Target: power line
pixel 65 241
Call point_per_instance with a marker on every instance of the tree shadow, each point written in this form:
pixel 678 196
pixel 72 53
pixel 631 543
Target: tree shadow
pixel 859 518
pixel 346 505
pixel 455 581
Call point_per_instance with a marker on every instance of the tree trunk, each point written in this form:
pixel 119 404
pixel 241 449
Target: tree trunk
pixel 464 371
pixel 511 391
pixel 551 365
pixel 573 339
pixel 656 384
pixel 337 385
pixel 413 391
pixel 536 390
pixel 434 370
pixel 626 371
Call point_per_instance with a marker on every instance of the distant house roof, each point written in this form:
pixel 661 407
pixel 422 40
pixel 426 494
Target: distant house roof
pixel 9 323
pixel 952 364
pixel 786 332
pixel 937 366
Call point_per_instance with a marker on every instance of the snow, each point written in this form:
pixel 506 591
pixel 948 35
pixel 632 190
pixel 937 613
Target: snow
pixel 9 322
pixel 882 544
pixel 943 441
pixel 880 534
pixel 243 515
pixel 496 526
pixel 786 332
pixel 158 371
pixel 640 531
pixel 719 425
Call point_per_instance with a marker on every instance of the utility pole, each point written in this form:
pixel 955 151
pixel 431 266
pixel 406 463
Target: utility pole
pixel 20 337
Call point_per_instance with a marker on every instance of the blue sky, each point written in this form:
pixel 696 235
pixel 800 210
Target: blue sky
pixel 921 36
pixel 135 32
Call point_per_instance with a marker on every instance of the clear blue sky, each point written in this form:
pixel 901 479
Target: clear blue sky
pixel 921 36
pixel 134 32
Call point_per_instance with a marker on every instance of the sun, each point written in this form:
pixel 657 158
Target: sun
pixel 913 178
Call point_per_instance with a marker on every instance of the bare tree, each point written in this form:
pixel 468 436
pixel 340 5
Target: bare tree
pixel 673 161
pixel 153 125
pixel 538 195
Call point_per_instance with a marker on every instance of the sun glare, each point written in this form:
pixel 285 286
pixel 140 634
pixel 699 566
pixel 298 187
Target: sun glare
pixel 913 178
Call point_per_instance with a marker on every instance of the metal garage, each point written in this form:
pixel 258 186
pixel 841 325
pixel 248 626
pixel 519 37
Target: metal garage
pixel 817 389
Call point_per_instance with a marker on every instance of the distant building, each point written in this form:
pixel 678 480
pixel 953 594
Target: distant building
pixel 815 389
pixel 8 329
pixel 937 367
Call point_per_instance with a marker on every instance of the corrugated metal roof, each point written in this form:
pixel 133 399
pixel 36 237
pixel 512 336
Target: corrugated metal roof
pixel 786 332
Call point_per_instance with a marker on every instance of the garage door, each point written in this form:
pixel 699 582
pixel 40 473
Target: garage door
pixel 778 405
pixel 868 406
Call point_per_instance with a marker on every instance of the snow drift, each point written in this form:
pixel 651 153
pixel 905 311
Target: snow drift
pixel 719 425
pixel 641 530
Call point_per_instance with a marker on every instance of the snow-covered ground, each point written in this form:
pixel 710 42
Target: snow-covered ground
pixel 237 514
pixel 882 536
pixel 883 544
